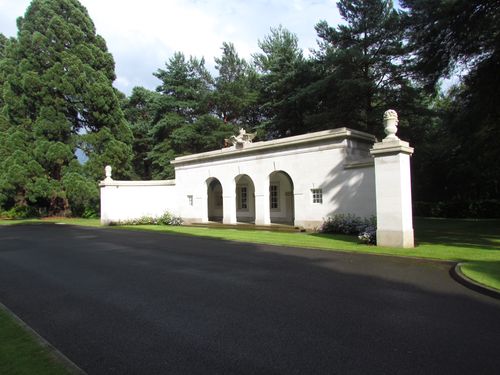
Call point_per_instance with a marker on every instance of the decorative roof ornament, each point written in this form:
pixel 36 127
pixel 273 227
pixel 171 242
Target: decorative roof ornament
pixel 241 139
pixel 107 171
pixel 391 125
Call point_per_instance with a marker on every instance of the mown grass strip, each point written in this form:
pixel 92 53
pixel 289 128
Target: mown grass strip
pixel 21 353
pixel 485 273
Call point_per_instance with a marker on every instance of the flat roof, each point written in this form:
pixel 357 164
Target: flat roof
pixel 267 146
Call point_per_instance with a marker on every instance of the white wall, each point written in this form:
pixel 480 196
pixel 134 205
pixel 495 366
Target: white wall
pixel 124 200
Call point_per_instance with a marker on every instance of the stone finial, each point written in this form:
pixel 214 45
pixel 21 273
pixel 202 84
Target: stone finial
pixel 107 171
pixel 391 125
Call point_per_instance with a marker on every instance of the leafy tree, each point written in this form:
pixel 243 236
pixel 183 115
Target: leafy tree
pixel 451 36
pixel 462 37
pixel 82 193
pixel 236 89
pixel 186 86
pixel 361 63
pixel 3 43
pixel 280 60
pixel 205 134
pixel 140 110
pixel 18 170
pixel 177 119
pixel 185 91
pixel 57 97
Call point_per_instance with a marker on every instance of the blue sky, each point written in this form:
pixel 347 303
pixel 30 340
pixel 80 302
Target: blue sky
pixel 143 35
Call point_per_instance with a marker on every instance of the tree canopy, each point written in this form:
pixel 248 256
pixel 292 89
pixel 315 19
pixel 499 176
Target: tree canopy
pixel 461 37
pixel 57 100
pixel 361 63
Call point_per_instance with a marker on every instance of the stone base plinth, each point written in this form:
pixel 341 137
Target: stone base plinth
pixel 394 238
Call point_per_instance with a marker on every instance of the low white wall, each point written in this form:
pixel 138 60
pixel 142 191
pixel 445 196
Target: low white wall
pixel 125 200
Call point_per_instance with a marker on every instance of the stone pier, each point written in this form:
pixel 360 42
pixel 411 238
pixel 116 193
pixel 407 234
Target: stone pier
pixel 393 187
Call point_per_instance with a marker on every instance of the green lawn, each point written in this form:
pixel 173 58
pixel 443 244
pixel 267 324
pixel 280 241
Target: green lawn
pixel 486 273
pixel 74 221
pixel 21 353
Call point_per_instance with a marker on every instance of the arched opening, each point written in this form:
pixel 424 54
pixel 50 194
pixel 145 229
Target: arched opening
pixel 281 198
pixel 215 203
pixel 245 199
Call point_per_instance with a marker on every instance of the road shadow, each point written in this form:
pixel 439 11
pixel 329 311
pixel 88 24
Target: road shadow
pixel 126 302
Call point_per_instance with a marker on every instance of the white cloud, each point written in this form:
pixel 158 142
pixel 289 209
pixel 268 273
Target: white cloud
pixel 142 35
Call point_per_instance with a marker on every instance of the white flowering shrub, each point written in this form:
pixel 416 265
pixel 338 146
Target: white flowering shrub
pixel 365 229
pixel 166 219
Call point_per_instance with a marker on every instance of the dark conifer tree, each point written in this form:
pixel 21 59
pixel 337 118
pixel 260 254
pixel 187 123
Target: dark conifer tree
pixel 461 39
pixel 280 64
pixel 236 89
pixel 360 62
pixel 57 97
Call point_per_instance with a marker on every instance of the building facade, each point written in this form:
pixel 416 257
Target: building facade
pixel 298 180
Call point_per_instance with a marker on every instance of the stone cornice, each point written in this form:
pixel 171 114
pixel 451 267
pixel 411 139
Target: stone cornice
pixel 138 183
pixel 391 148
pixel 359 164
pixel 277 144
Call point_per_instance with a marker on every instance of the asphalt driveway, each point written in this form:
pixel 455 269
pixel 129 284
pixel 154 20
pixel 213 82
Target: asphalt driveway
pixel 121 302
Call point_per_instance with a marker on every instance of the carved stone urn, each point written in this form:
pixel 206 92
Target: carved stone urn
pixel 391 125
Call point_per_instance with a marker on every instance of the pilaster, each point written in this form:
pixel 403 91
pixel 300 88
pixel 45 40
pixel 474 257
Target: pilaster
pixel 262 207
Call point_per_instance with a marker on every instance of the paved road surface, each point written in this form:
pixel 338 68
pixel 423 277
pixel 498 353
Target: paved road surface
pixel 119 302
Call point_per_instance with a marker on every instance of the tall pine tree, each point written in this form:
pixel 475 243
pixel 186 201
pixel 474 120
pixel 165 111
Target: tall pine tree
pixel 57 97
pixel 361 64
pixel 178 119
pixel 461 38
pixel 280 64
pixel 236 89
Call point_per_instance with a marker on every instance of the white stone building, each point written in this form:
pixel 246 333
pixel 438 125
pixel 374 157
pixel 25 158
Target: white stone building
pixel 298 180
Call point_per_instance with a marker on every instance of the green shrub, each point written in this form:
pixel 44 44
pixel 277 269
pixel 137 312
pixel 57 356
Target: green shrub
pixel 365 229
pixel 82 194
pixel 90 213
pixel 21 212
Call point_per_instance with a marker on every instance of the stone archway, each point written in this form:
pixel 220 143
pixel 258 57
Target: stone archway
pixel 281 198
pixel 214 200
pixel 245 199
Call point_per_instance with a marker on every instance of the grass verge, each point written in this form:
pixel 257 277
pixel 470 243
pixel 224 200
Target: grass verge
pixel 21 353
pixel 73 221
pixel 485 273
